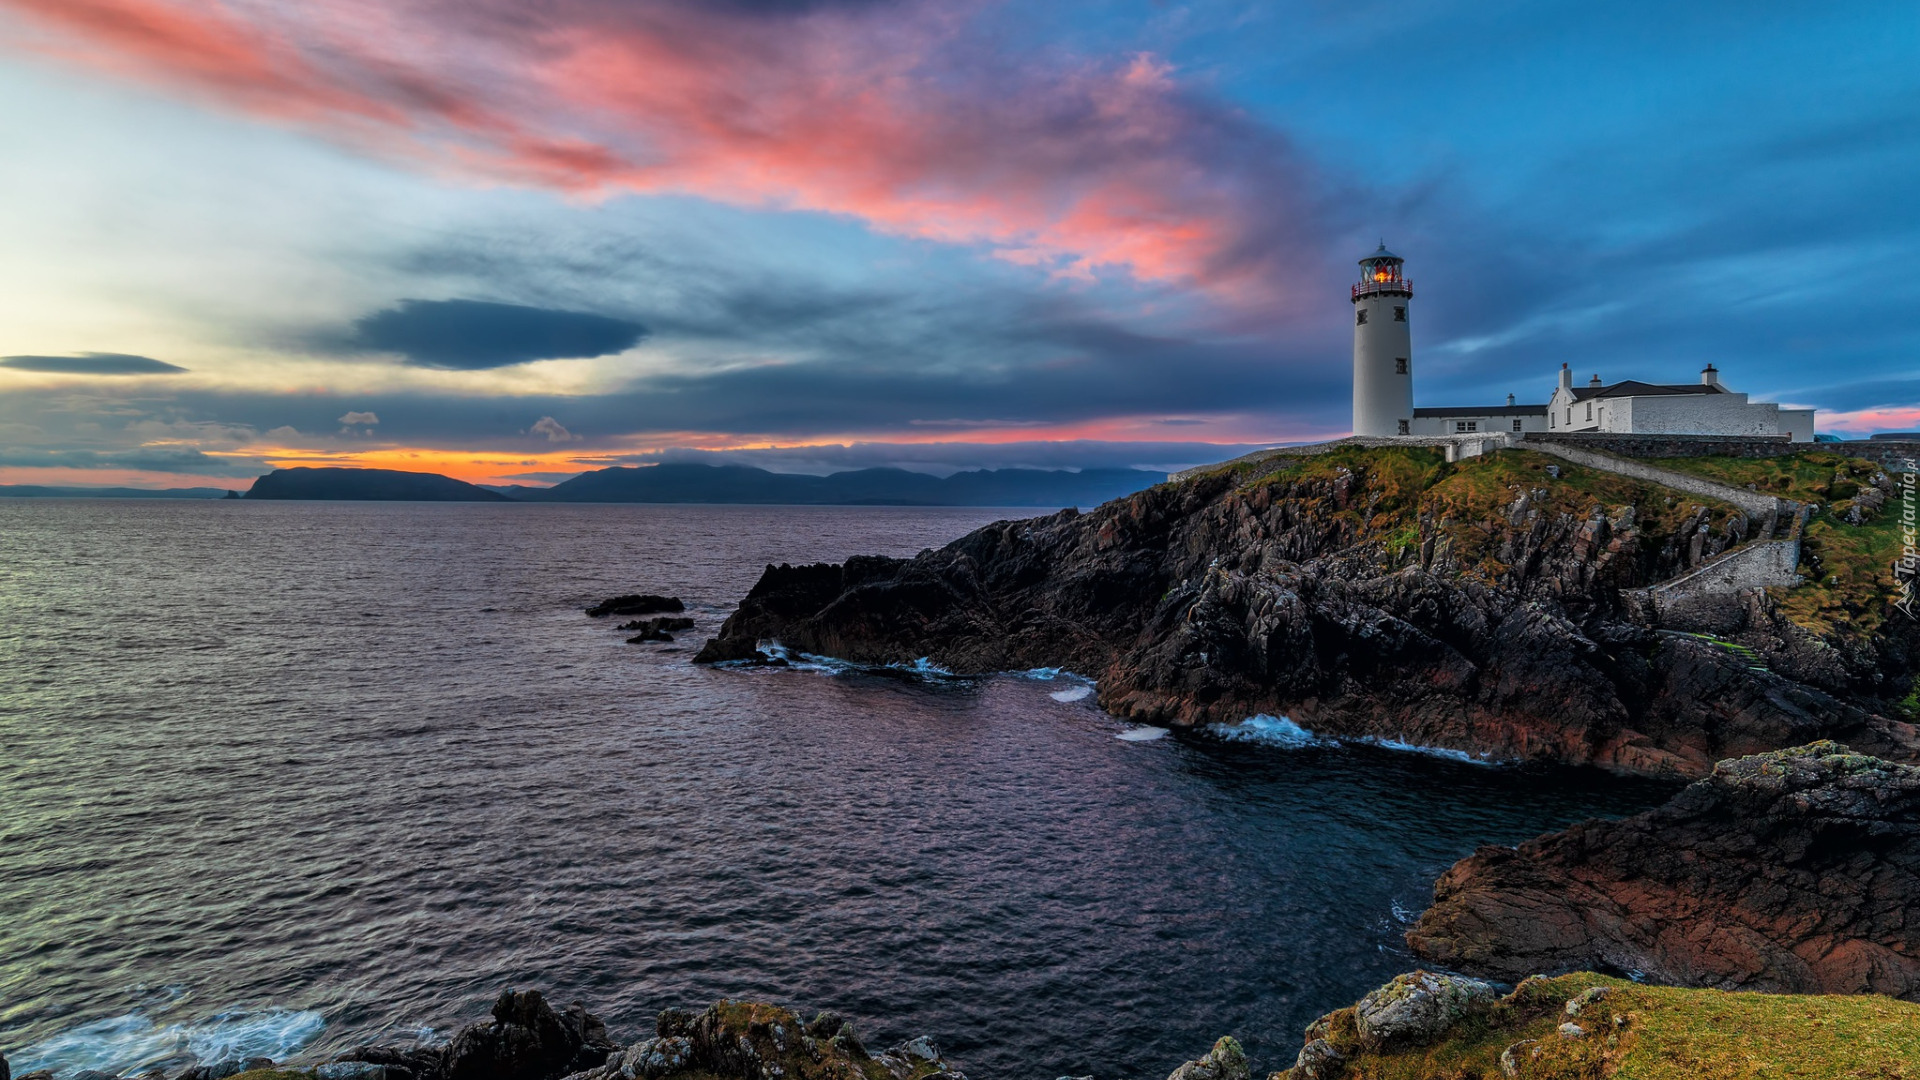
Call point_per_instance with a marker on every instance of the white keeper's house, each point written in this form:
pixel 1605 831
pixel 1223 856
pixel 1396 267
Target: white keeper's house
pixel 1383 387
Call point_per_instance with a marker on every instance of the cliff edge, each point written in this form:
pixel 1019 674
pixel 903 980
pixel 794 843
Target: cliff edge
pixel 1795 871
pixel 1375 592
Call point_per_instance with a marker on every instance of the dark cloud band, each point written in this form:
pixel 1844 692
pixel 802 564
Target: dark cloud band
pixel 93 363
pixel 474 335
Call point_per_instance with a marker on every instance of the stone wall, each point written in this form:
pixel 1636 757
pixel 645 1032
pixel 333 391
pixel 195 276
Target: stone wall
pixel 1673 446
pixel 1888 454
pixel 1706 598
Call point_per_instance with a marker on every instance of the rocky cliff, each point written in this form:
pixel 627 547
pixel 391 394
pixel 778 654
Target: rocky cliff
pixel 1794 871
pixel 1363 592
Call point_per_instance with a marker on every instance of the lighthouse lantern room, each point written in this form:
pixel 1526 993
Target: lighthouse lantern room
pixel 1382 347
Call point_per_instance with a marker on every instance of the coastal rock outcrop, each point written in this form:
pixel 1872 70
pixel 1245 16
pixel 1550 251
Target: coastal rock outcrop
pixel 1794 871
pixel 1225 1061
pixel 527 1040
pixel 1381 593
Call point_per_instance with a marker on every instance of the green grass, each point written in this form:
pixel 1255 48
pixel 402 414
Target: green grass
pixel 1850 588
pixel 1393 488
pixel 1662 1033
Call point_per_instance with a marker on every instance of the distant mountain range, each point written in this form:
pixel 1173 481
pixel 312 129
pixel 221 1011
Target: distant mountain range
pixel 692 483
pixel 41 491
pixel 672 483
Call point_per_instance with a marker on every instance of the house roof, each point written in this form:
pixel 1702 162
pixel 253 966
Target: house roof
pixel 1482 410
pixel 1633 388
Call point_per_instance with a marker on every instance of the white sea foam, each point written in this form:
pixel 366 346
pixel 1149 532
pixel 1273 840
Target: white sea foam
pixel 1261 728
pixel 1142 734
pixel 1072 693
pixel 132 1043
pixel 1430 751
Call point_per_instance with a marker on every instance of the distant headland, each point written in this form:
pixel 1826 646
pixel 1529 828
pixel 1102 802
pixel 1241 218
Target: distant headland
pixel 695 483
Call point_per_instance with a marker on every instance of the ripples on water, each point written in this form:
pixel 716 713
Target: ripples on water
pixel 282 777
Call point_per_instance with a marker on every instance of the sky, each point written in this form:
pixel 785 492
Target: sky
pixel 511 240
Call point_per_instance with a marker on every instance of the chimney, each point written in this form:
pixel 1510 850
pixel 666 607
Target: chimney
pixel 1710 376
pixel 1595 382
pixel 1509 401
pixel 1566 378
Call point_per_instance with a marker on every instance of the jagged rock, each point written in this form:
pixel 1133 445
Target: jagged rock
pixel 352 1070
pixel 825 1025
pixel 752 1041
pixel 1503 634
pixel 1794 871
pixel 1226 1061
pixel 735 651
pixel 655 629
pixel 526 1040
pixel 635 604
pixel 1318 1060
pixel 922 1048
pixel 1419 1007
pixel 397 1062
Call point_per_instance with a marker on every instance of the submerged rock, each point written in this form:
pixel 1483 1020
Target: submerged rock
pixel 1795 871
pixel 635 604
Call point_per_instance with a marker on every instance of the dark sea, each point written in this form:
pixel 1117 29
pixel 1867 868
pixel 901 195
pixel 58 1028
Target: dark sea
pixel 277 778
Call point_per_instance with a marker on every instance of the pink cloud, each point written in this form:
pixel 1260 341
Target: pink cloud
pixel 879 113
pixel 1867 421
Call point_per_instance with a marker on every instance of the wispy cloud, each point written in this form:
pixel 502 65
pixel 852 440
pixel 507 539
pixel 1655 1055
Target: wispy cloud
pixel 890 114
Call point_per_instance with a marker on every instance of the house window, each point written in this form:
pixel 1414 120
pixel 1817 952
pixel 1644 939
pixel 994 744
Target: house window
pixel 1403 428
pixel 1466 425
pixel 1399 365
pixel 1589 410
pixel 1360 317
pixel 1516 425
pixel 1399 314
pixel 1569 416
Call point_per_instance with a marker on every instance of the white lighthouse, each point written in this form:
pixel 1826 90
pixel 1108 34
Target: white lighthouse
pixel 1382 348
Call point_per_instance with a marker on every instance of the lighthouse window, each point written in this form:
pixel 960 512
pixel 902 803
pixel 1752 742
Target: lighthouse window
pixel 1360 317
pixel 1399 314
pixel 1403 426
pixel 1399 365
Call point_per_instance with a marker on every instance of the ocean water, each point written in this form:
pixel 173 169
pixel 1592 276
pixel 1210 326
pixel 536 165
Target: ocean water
pixel 283 777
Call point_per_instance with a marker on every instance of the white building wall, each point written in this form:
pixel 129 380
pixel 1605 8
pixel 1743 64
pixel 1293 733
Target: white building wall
pixel 1382 391
pixel 1696 414
pixel 1485 424
pixel 1797 423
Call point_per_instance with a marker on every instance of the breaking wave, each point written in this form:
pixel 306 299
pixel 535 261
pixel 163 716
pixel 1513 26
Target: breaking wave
pixel 132 1043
